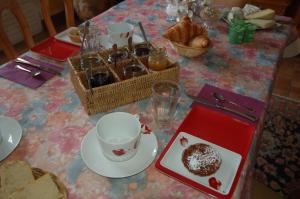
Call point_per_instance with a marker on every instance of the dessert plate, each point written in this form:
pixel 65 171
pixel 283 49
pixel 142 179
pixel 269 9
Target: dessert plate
pixel 93 157
pixel 63 36
pixel 55 49
pixel 10 135
pixel 172 160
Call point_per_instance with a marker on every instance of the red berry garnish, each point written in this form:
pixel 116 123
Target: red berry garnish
pixel 214 183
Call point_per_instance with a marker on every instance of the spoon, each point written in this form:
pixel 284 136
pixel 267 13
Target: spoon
pixel 33 74
pixel 222 99
pixel 144 34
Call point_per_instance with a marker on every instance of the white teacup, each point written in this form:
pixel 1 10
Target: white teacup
pixel 119 135
pixel 120 32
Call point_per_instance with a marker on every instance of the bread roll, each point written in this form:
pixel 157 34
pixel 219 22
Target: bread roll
pixel 200 41
pixel 14 175
pixel 262 14
pixel 44 187
pixel 74 35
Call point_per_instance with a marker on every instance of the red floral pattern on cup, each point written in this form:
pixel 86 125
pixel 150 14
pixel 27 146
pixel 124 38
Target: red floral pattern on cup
pixel 119 152
pixel 146 129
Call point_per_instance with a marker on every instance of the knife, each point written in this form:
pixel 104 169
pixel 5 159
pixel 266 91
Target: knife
pixel 246 115
pixel 50 70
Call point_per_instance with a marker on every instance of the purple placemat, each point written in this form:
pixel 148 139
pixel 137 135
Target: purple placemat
pixel 258 106
pixel 11 73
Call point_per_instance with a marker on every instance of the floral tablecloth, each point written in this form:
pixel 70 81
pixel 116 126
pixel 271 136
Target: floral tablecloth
pixel 54 122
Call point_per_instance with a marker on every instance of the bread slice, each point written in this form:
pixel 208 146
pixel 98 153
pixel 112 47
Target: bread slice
pixel 263 14
pixel 262 23
pixel 43 187
pixel 14 175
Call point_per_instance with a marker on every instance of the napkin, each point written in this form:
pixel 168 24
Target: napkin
pixel 257 105
pixel 10 72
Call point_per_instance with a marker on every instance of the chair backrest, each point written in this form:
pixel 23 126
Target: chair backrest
pixel 5 43
pixel 69 12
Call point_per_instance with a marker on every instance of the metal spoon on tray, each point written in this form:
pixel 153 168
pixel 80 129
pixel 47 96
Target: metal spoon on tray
pixel 222 99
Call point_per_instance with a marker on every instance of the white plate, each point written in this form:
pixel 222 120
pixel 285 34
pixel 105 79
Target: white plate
pixel 92 156
pixel 11 132
pixel 63 36
pixel 107 43
pixel 104 39
pixel 225 174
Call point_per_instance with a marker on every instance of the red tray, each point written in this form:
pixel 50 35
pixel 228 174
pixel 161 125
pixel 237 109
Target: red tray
pixel 219 129
pixel 55 49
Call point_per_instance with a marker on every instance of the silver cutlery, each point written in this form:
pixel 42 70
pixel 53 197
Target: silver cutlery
pixel 43 68
pixel 33 74
pixel 246 115
pixel 222 99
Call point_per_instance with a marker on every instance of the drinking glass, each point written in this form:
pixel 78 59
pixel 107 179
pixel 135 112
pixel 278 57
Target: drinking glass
pixel 92 37
pixel 210 15
pixel 164 101
pixel 171 10
pixel 183 10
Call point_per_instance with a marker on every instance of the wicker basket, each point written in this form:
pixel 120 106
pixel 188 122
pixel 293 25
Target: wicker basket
pixel 37 173
pixel 188 51
pixel 121 92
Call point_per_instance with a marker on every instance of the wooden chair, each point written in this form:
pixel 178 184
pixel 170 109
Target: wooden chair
pixel 69 12
pixel 5 43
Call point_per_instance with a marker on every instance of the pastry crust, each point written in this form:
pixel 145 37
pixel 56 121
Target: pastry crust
pixel 201 159
pixel 183 31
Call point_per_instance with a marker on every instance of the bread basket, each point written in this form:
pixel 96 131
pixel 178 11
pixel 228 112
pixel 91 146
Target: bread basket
pixel 189 51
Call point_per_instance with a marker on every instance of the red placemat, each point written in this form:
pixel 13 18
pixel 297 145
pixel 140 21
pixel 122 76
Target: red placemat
pixel 56 49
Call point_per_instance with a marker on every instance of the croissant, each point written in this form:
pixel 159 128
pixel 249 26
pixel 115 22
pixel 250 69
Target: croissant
pixel 183 31
pixel 200 42
pixel 180 32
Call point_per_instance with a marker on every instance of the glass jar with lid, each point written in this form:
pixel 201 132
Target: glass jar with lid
pixel 158 59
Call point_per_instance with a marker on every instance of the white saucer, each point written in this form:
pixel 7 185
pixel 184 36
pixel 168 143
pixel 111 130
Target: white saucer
pixel 92 156
pixel 11 132
pixel 107 43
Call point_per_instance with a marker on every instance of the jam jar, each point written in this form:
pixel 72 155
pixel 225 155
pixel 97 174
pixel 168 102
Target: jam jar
pixel 158 59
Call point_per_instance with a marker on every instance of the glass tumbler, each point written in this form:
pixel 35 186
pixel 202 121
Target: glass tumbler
pixel 164 101
pixel 158 59
pixel 91 34
pixel 171 10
